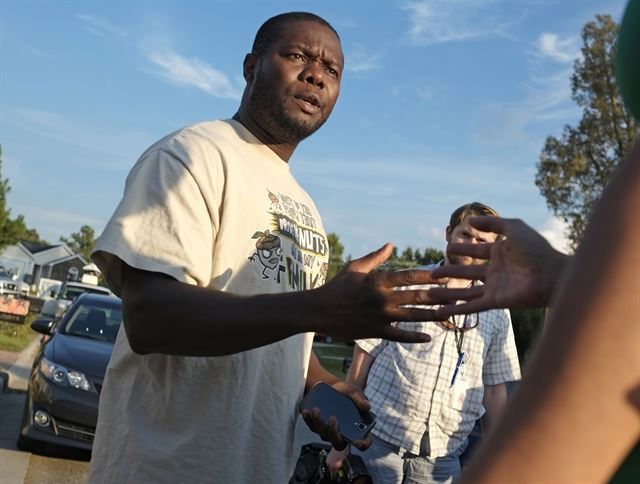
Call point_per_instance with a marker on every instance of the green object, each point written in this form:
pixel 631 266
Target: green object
pixel 627 63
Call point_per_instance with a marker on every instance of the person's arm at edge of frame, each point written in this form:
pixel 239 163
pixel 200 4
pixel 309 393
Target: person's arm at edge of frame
pixel 576 414
pixel 354 304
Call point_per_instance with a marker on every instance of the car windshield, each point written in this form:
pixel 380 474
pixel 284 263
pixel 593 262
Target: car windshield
pixel 99 322
pixel 71 292
pixel 5 275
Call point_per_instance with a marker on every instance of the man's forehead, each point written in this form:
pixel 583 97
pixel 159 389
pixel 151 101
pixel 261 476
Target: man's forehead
pixel 312 35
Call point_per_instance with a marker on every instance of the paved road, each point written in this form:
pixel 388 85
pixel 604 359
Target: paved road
pixel 26 468
pixel 17 467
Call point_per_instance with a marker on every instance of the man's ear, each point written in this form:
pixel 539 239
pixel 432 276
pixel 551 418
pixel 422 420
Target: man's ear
pixel 249 66
pixel 447 233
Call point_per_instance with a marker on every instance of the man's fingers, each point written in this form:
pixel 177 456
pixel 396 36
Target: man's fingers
pixel 474 306
pixel 412 314
pixel 474 272
pixel 333 434
pixel 496 225
pixel 393 333
pixel 444 295
pixel 360 400
pixel 408 278
pixel 363 444
pixel 371 261
pixel 477 251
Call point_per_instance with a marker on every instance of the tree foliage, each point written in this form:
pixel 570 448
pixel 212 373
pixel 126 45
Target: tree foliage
pixel 11 230
pixel 336 253
pixel 527 328
pixel 410 258
pixel 574 169
pixel 82 242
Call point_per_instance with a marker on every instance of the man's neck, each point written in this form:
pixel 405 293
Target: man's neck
pixel 283 150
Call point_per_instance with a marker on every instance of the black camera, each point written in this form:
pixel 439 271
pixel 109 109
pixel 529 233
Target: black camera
pixel 311 467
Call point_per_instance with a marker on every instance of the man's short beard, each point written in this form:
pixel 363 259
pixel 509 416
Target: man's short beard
pixel 274 118
pixel 456 260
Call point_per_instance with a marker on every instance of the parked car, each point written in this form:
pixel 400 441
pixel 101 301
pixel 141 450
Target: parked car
pixel 61 408
pixel 9 283
pixel 61 296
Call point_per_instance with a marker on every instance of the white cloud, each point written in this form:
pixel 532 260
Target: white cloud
pixel 551 46
pixel 358 59
pixel 435 23
pixel 195 73
pixel 547 95
pixel 554 230
pixel 100 26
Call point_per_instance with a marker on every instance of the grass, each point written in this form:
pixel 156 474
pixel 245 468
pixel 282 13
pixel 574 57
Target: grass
pixel 16 337
pixel 332 356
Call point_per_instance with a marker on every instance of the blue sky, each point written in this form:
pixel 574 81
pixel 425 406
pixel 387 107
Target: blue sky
pixel 442 102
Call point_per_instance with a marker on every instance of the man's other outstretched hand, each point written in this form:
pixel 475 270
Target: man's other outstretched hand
pixel 522 270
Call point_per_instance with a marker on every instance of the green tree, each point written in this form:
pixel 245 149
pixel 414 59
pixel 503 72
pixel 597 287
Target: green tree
pixel 336 252
pixel 11 230
pixel 407 256
pixel 82 242
pixel 574 169
pixel 527 327
pixel 32 235
pixel 431 256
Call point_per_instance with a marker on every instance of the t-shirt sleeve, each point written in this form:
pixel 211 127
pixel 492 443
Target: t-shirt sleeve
pixel 371 346
pixel 162 224
pixel 501 364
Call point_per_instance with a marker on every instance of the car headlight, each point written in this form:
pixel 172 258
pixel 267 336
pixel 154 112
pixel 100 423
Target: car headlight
pixel 65 376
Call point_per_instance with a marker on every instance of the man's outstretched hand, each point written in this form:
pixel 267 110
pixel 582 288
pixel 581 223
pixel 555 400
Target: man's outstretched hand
pixel 522 270
pixel 359 303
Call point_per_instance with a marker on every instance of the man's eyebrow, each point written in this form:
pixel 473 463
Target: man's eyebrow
pixel 311 52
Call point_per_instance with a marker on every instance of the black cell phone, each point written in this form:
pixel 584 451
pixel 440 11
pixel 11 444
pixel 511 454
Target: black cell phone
pixel 354 424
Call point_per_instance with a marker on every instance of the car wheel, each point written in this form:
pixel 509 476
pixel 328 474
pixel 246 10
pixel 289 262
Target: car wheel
pixel 23 444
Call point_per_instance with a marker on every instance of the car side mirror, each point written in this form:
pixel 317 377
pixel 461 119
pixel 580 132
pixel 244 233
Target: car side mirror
pixel 42 326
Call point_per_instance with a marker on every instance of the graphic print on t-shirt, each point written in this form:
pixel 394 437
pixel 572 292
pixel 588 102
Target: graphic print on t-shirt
pixel 292 251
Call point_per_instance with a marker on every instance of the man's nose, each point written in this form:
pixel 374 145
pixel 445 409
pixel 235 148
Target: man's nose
pixel 313 73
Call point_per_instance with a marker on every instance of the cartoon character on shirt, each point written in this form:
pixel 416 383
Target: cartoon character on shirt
pixel 268 251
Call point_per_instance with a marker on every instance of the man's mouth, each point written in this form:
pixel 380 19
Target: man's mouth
pixel 309 103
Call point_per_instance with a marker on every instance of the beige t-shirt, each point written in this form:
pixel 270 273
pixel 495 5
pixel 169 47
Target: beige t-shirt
pixel 212 206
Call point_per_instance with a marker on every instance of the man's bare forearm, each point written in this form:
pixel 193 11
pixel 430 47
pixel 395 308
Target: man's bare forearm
pixel 357 303
pixel 209 323
pixel 318 373
pixel 360 366
pixel 494 401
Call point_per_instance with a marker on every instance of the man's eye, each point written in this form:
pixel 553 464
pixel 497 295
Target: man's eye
pixel 266 253
pixel 332 72
pixel 299 57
